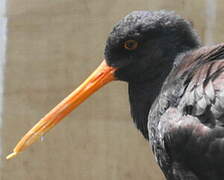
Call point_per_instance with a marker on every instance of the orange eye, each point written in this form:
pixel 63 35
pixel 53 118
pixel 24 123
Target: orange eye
pixel 130 45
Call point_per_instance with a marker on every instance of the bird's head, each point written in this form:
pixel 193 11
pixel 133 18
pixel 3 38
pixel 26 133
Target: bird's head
pixel 141 40
pixel 146 40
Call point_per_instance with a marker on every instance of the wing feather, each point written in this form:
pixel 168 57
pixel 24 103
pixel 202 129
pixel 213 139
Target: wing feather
pixel 190 129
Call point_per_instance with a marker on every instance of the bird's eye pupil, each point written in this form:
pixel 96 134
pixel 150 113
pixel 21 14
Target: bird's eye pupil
pixel 130 45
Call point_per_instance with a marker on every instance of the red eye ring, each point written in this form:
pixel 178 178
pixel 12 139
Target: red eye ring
pixel 130 44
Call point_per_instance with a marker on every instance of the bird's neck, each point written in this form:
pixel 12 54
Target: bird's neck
pixel 142 95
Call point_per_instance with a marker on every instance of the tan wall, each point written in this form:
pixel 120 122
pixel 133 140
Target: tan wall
pixel 51 47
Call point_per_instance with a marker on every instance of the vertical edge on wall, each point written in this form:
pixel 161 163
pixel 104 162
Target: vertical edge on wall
pixel 3 40
pixel 211 7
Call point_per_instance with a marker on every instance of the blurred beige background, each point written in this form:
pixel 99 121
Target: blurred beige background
pixel 51 47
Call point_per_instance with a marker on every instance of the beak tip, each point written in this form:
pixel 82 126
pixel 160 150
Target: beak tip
pixel 12 155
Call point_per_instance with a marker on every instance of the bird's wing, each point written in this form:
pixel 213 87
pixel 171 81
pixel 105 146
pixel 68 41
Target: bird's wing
pixel 191 128
pixel 203 93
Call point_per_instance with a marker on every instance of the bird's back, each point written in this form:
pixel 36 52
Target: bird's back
pixel 186 122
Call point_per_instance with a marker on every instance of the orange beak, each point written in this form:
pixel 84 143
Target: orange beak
pixel 101 76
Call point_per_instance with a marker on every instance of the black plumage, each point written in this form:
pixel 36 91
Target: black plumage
pixel 176 92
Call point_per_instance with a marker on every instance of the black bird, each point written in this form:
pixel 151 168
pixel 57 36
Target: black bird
pixel 176 91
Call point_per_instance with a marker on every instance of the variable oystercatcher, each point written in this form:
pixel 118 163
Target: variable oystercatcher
pixel 176 91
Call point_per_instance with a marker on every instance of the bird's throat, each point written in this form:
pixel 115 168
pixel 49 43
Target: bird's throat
pixel 142 95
